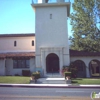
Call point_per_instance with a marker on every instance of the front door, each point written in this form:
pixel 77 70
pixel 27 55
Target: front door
pixel 52 63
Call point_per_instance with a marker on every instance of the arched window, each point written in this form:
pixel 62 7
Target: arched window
pixel 81 68
pixel 94 67
pixel 32 42
pixel 15 43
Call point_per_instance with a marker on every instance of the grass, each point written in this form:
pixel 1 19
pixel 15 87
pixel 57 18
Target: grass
pixel 86 81
pixel 14 79
pixel 26 80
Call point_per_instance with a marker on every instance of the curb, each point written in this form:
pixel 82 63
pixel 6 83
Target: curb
pixel 50 86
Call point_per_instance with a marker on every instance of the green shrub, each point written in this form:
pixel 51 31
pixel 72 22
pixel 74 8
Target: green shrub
pixel 67 74
pixel 65 69
pixel 17 75
pixel 73 69
pixel 74 72
pixel 36 74
pixel 26 72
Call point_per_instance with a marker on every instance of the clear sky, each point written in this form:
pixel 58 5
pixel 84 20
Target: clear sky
pixel 17 16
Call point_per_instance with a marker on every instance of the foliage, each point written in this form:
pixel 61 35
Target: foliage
pixel 67 74
pixel 74 70
pixel 70 69
pixel 36 74
pixel 65 69
pixel 84 20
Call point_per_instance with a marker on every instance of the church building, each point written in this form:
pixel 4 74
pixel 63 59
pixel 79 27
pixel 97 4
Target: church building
pixel 47 50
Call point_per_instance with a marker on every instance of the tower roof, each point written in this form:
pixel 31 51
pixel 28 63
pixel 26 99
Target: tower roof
pixel 67 4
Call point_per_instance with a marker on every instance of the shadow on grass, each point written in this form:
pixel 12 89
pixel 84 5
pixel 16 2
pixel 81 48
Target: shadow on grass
pixel 74 82
pixel 76 78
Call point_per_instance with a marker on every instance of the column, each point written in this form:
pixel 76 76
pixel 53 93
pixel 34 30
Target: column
pixel 87 70
pixel 43 62
pixel 61 61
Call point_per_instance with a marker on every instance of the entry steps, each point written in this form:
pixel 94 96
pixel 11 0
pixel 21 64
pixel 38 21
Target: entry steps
pixel 51 81
pixel 54 75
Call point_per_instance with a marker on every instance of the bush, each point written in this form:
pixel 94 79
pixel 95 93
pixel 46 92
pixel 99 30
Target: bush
pixel 67 74
pixel 65 69
pixel 36 74
pixel 17 75
pixel 26 72
pixel 74 72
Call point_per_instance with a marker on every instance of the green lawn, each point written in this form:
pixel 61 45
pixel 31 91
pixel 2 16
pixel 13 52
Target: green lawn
pixel 26 80
pixel 86 81
pixel 15 79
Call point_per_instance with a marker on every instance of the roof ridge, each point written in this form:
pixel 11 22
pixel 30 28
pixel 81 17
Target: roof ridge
pixel 17 35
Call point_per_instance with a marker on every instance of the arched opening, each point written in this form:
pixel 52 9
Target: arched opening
pixel 94 68
pixel 52 63
pixel 81 68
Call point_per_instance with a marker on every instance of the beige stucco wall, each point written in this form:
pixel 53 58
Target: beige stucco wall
pixel 23 44
pixel 12 71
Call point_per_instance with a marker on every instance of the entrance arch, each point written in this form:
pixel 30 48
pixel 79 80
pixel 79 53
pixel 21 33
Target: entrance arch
pixel 52 63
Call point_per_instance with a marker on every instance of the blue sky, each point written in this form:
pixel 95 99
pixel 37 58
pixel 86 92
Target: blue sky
pixel 17 16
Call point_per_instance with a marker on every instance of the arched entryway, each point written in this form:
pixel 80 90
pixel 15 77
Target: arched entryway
pixel 52 63
pixel 81 68
pixel 94 68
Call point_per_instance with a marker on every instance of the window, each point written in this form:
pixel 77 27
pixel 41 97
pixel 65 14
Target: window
pixel 15 43
pixel 32 43
pixel 79 65
pixel 21 63
pixel 50 16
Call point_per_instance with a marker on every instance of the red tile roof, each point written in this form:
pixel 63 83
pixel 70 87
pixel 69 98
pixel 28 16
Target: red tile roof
pixel 73 53
pixel 17 54
pixel 17 35
pixel 83 53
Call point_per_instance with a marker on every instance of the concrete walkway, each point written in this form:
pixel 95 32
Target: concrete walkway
pixel 50 81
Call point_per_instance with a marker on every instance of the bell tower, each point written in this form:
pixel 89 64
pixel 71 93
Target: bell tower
pixel 51 35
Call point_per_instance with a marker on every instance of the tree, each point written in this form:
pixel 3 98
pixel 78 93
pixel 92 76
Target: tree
pixel 86 34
